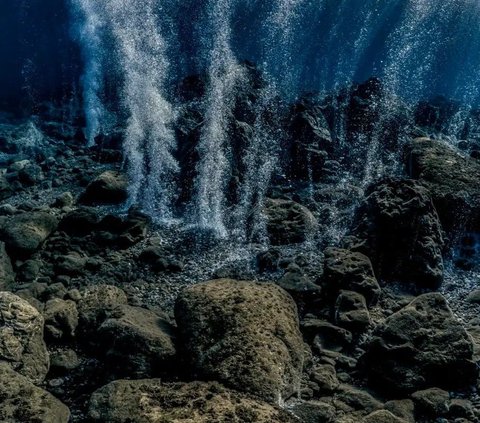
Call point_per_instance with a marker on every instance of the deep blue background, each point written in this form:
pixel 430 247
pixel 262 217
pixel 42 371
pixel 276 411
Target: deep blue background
pixel 40 60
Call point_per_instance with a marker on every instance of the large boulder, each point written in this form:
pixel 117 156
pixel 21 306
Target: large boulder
pixel 288 222
pixel 243 334
pixel 7 276
pixel 21 401
pixel 150 401
pixel 95 306
pixel 21 337
pixel 351 311
pixel 422 345
pixel 451 178
pixel 398 228
pixel 61 319
pixel 25 233
pixel 349 270
pixel 138 342
pixel 110 187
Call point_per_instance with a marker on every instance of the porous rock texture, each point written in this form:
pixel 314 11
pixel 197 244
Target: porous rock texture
pixel 21 337
pixel 451 178
pixel 243 334
pixel 21 401
pixel 25 233
pixel 288 222
pixel 422 345
pixel 137 342
pixel 151 401
pixel 398 228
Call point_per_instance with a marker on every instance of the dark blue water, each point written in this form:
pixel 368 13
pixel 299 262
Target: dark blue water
pixel 329 41
pixel 39 61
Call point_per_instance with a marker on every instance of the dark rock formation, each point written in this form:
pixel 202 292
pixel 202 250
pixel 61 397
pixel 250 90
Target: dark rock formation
pixel 151 401
pixel 243 334
pixel 452 180
pixel 351 311
pixel 61 319
pixel 422 345
pixel 288 222
pixel 108 188
pixel 24 402
pixel 25 233
pixel 7 275
pixel 96 304
pixel 137 342
pixel 348 270
pixel 21 338
pixel 398 228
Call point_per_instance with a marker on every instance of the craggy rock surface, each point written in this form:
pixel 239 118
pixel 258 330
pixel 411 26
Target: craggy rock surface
pixel 420 346
pixel 151 401
pixel 243 334
pixel 452 179
pixel 352 271
pixel 25 233
pixel 21 338
pixel 398 228
pixel 137 342
pixel 24 402
pixel 288 222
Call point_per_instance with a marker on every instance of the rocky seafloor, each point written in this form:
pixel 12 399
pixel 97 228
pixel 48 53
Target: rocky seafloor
pixel 359 304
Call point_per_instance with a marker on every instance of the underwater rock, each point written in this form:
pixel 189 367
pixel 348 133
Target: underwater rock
pixel 315 412
pixel 151 401
pixel 21 338
pixel 382 416
pixel 420 346
pixel 432 402
pixel 25 233
pixel 24 402
pixel 7 275
pixel 351 311
pixel 349 270
pixel 96 304
pixel 61 319
pixel 243 334
pixel 299 286
pixel 110 187
pixel 398 228
pixel 311 142
pixel 451 178
pixel 79 222
pixel 137 342
pixel 288 222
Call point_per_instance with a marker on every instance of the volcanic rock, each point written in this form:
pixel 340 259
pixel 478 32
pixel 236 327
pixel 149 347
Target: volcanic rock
pixel 352 271
pixel 421 346
pixel 96 304
pixel 351 311
pixel 288 222
pixel 137 342
pixel 7 276
pixel 21 337
pixel 398 228
pixel 61 318
pixel 243 334
pixel 108 188
pixel 150 401
pixel 25 233
pixel 452 180
pixel 24 402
